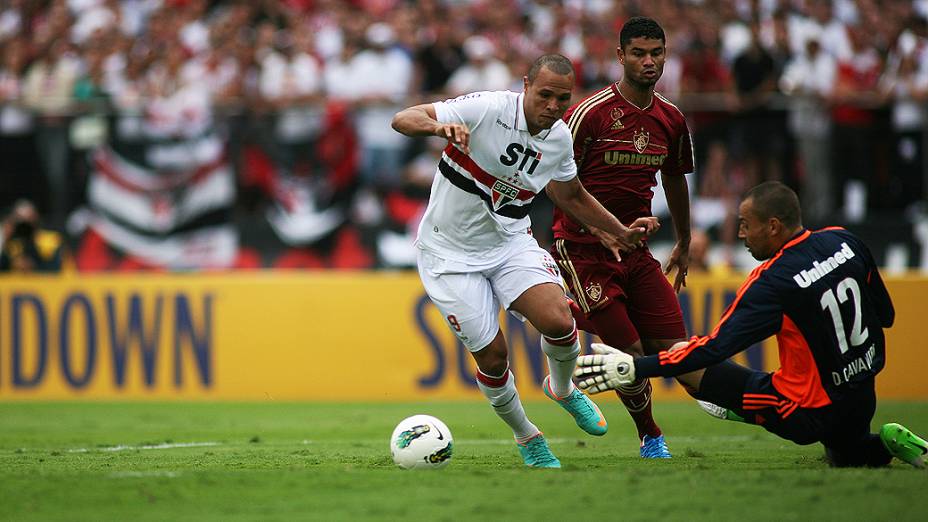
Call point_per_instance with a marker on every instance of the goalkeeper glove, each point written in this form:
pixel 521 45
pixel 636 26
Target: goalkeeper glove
pixel 606 369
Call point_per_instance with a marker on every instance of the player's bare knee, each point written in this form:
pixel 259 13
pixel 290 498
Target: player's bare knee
pixel 495 368
pixel 559 324
pixel 559 330
pixel 491 360
pixel 690 389
pixel 635 349
pixel 654 346
pixel 561 342
pixel 690 382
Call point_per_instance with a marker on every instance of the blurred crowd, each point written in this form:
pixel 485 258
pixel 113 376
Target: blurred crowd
pixel 195 134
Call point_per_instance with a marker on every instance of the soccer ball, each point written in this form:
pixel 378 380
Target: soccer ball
pixel 421 442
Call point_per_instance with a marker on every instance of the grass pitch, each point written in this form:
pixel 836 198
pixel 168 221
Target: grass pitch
pixel 292 461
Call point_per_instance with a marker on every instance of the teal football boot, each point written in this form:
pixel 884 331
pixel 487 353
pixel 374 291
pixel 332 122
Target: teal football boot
pixel 581 408
pixel 536 453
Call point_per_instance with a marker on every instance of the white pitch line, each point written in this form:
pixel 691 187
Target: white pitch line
pixel 501 442
pixel 716 438
pixel 142 474
pixel 466 442
pixel 562 440
pixel 166 445
pixel 689 439
pixel 470 442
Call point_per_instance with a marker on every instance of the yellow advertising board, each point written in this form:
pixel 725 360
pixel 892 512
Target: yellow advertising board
pixel 327 336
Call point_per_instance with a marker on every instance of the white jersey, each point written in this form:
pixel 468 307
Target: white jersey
pixel 478 208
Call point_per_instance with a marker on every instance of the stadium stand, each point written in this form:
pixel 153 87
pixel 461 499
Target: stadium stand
pixel 201 135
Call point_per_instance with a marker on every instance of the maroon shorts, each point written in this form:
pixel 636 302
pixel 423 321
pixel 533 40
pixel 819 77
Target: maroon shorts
pixel 649 306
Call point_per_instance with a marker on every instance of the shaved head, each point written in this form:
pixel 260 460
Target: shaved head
pixel 773 199
pixel 555 63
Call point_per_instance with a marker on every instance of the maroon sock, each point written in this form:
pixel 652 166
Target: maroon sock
pixel 615 329
pixel 637 400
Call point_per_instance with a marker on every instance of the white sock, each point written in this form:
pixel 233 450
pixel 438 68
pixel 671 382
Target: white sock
pixel 562 359
pixel 503 396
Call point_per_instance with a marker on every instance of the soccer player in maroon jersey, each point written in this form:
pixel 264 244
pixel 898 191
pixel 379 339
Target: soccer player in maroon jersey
pixel 623 134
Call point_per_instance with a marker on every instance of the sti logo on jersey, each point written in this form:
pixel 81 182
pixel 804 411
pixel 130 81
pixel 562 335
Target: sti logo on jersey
pixel 503 193
pixel 514 151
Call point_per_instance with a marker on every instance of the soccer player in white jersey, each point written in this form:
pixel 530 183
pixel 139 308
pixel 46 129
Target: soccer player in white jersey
pixel 475 248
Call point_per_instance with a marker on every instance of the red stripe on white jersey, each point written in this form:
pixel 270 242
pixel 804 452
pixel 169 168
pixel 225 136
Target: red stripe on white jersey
pixel 481 176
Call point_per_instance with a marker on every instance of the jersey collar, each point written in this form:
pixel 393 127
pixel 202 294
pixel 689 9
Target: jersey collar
pixel 797 238
pixel 521 124
pixel 801 236
pixel 642 109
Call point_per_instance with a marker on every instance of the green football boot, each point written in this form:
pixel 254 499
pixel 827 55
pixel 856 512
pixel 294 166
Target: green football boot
pixel 903 444
pixel 719 412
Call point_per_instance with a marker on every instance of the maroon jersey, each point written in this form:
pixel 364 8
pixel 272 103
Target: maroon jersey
pixel 618 149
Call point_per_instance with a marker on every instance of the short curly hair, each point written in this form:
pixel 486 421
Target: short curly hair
pixel 640 27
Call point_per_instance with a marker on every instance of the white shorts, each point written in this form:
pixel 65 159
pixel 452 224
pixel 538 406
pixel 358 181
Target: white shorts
pixel 470 300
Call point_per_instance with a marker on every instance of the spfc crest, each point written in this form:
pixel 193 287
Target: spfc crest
pixel 642 137
pixel 503 193
pixel 616 114
pixel 594 291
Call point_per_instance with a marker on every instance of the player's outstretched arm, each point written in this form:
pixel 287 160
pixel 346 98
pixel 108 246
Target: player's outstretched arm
pixel 420 120
pixel 572 198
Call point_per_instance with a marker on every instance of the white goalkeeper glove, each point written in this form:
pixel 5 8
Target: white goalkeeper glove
pixel 606 369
